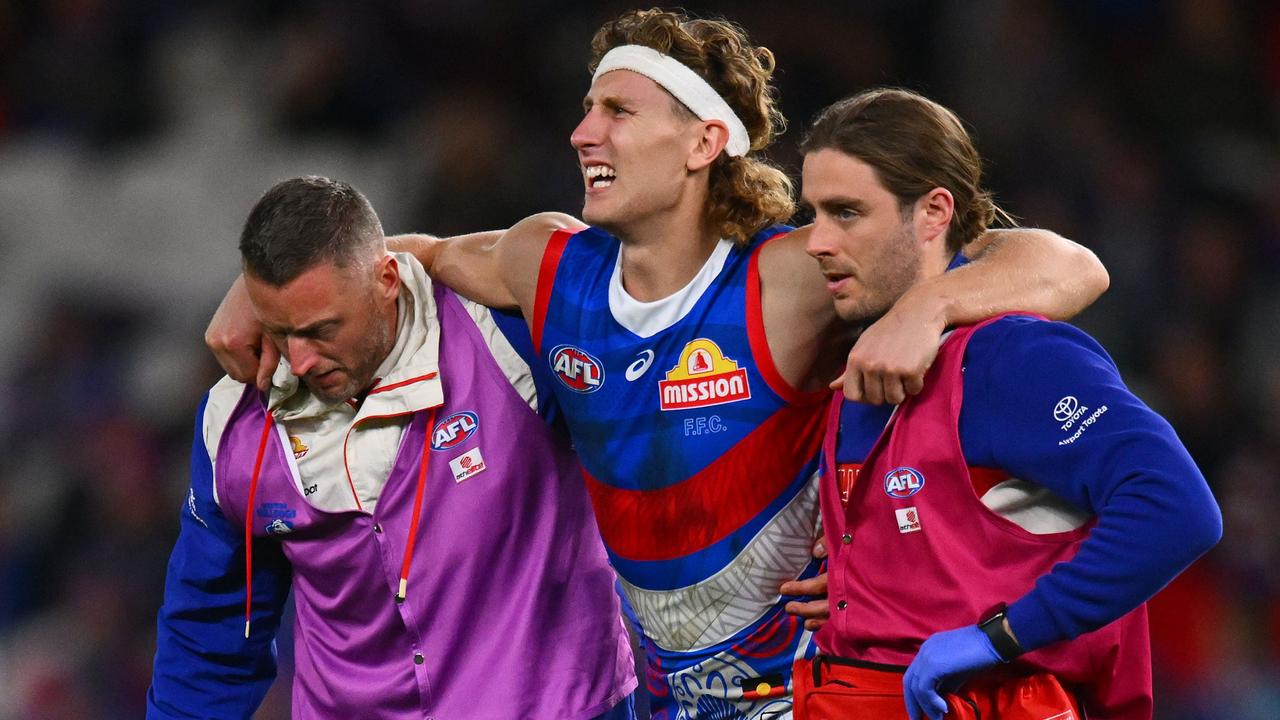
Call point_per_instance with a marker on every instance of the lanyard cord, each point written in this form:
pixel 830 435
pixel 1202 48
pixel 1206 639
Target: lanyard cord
pixel 413 523
pixel 248 523
pixel 417 506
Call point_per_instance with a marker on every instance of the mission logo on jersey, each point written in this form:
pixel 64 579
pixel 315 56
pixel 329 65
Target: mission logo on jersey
pixel 576 368
pixel 703 377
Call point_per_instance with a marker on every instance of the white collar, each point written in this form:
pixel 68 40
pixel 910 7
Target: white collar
pixel 647 319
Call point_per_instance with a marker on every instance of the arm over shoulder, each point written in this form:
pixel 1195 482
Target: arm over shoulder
pixel 1013 270
pixel 1024 269
pixel 497 268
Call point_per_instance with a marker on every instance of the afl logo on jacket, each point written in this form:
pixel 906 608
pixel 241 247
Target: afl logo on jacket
pixel 903 482
pixel 576 368
pixel 454 430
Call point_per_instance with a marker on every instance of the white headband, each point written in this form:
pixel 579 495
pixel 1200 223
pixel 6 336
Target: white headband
pixel 686 85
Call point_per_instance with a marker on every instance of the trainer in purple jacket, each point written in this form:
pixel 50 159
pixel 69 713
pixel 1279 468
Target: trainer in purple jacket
pixel 436 533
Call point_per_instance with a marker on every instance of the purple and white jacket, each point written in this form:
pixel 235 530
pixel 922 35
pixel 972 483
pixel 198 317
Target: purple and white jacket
pixel 470 583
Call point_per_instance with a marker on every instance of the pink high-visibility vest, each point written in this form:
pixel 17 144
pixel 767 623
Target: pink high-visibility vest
pixel 915 551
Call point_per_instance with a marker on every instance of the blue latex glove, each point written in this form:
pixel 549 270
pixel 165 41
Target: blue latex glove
pixel 944 662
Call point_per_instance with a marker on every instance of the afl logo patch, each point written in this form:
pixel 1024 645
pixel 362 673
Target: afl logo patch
pixel 576 368
pixel 454 430
pixel 903 482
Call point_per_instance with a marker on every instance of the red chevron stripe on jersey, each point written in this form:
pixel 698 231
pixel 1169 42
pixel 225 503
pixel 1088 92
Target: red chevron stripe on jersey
pixel 697 512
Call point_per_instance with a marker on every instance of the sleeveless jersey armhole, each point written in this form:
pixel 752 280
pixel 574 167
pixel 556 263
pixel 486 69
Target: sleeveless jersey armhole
pixel 760 342
pixel 546 280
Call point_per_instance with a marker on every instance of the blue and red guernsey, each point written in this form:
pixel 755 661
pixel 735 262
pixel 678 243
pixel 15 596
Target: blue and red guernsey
pixel 700 461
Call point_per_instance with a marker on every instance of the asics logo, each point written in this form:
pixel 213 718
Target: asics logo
pixel 639 366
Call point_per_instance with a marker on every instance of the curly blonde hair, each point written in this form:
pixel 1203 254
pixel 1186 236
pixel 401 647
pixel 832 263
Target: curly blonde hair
pixel 747 193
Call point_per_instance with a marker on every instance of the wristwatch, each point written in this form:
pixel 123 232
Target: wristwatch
pixel 993 626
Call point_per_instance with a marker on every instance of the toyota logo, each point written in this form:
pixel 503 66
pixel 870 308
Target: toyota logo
pixel 1065 408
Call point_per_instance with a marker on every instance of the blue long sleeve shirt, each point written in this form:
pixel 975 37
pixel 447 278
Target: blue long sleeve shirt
pixel 204 666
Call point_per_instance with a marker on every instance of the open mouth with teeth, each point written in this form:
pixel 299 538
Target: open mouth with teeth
pixel 600 176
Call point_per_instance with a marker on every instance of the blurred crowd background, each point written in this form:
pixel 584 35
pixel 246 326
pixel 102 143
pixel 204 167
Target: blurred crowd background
pixel 136 134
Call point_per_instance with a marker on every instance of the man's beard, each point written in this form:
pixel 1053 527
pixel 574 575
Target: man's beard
pixel 373 350
pixel 889 276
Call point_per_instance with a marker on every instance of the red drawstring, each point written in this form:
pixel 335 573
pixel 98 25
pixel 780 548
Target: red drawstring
pixel 413 523
pixel 417 506
pixel 248 523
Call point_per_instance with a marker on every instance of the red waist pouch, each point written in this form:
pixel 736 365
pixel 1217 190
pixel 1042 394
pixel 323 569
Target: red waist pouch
pixel 834 688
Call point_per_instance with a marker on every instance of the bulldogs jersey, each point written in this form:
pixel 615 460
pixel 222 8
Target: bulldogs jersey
pixel 700 461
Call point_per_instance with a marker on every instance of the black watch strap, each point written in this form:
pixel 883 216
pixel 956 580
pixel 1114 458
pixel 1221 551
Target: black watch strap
pixel 1004 643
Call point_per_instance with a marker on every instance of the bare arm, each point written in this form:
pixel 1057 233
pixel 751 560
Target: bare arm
pixel 1026 269
pixel 1033 270
pixel 436 252
pixel 807 342
pixel 498 268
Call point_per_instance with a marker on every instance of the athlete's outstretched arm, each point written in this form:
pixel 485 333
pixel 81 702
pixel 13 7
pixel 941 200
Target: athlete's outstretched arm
pixel 236 338
pixel 1027 270
pixel 1021 269
pixel 497 268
